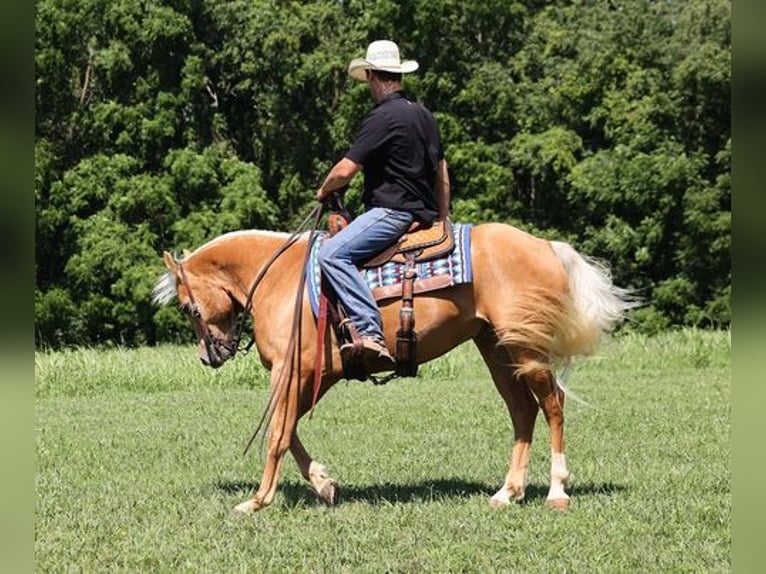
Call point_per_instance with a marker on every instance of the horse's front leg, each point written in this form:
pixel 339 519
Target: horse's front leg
pixel 283 435
pixel 316 473
pixel 277 446
pixel 284 420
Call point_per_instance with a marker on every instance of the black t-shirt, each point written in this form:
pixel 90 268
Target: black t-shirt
pixel 399 147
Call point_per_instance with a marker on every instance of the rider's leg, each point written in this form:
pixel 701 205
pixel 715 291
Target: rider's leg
pixel 365 236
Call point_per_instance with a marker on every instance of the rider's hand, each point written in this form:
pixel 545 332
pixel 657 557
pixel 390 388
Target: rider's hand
pixel 322 195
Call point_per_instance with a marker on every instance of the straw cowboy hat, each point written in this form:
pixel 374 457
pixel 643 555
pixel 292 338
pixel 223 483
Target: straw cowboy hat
pixel 381 55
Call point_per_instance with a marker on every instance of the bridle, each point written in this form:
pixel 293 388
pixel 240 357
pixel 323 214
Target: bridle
pixel 214 345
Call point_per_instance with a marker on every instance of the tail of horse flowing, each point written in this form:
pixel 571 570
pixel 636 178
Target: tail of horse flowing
pixel 562 325
pixel 597 304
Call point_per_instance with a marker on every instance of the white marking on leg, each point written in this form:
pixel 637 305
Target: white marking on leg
pixel 500 498
pixel 317 469
pixel 323 485
pixel 245 508
pixel 559 477
pixel 317 475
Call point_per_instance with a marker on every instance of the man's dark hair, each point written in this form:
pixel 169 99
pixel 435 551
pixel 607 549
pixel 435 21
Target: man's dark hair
pixel 387 76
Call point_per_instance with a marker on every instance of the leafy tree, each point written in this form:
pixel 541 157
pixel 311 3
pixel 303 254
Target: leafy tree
pixel 163 123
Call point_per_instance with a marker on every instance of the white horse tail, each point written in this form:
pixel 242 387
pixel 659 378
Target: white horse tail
pixel 599 305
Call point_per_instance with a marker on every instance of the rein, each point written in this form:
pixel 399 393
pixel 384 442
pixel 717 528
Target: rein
pixel 315 214
pixel 211 345
pixel 283 382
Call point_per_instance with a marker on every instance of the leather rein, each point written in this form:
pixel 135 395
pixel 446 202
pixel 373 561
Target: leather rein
pixel 213 346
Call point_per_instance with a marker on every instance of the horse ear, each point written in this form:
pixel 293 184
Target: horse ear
pixel 170 261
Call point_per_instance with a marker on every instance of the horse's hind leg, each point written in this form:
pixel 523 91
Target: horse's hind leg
pixel 550 396
pixel 522 408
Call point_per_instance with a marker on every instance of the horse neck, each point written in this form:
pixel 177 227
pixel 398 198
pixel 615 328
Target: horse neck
pixel 236 260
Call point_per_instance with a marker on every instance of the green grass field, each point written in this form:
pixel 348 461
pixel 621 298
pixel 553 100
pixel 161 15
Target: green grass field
pixel 139 462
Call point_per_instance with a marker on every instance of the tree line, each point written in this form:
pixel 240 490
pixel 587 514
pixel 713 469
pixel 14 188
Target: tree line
pixel 162 123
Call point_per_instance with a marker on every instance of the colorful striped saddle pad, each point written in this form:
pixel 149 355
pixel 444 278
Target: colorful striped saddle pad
pixel 386 281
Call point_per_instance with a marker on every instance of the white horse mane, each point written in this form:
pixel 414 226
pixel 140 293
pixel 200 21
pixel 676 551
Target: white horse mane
pixel 165 289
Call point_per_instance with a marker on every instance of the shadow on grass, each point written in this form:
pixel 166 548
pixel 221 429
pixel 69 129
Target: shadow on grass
pixel 540 492
pixel 300 494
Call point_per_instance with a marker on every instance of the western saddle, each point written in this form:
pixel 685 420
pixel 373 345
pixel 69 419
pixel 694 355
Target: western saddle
pixel 427 242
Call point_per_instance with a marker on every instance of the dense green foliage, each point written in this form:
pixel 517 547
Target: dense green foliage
pixel 139 461
pixel 160 124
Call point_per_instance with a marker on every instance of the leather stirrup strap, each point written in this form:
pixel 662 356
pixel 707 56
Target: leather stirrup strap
pixel 406 339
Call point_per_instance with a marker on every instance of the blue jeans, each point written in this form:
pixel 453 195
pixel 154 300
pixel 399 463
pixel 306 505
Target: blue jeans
pixel 365 236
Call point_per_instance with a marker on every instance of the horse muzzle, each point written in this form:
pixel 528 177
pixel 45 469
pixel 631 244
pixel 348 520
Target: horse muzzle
pixel 213 353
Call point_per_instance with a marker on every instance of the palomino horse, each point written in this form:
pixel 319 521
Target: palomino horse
pixel 533 304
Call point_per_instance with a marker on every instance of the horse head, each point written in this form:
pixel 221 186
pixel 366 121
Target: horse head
pixel 213 311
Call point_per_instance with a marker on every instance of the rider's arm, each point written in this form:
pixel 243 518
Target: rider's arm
pixel 339 177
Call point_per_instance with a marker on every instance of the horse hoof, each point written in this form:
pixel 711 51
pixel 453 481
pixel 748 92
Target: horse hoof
pixel 244 509
pixel 500 499
pixel 558 503
pixel 505 496
pixel 330 492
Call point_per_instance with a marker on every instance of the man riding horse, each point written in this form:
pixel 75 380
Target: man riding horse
pixel 405 186
pixel 525 324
